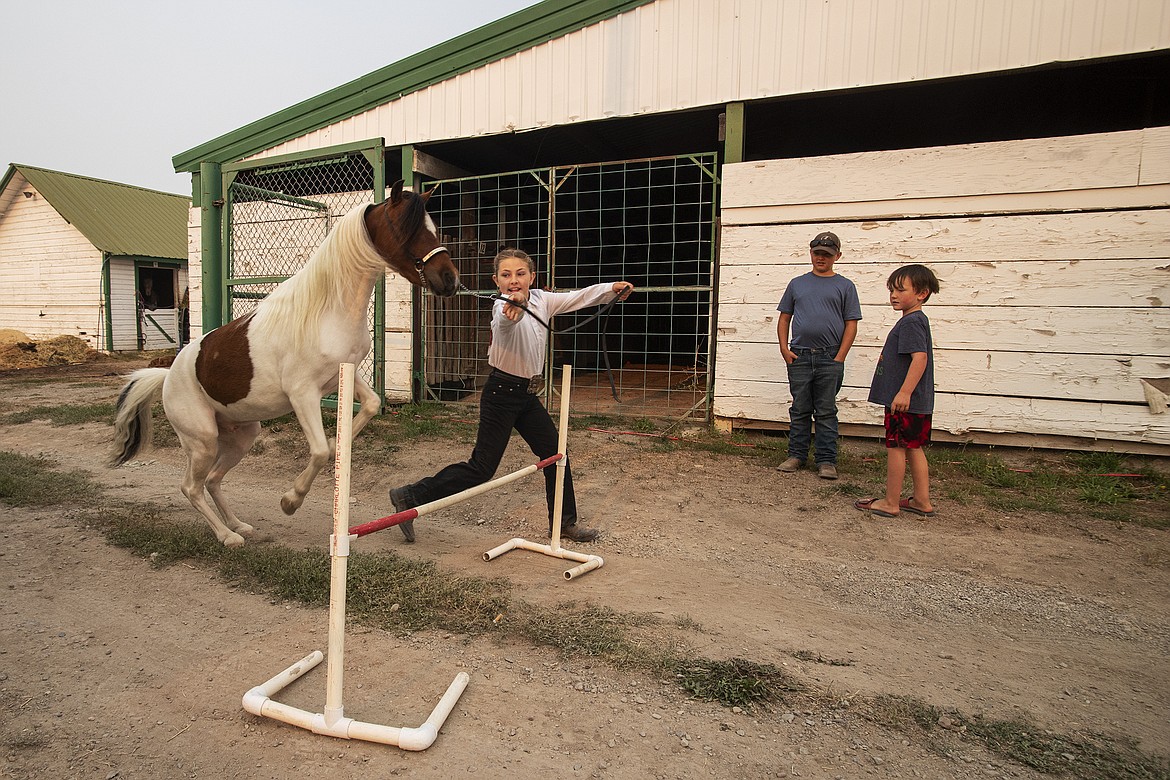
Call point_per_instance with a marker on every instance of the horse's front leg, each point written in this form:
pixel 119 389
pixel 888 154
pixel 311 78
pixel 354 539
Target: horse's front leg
pixel 308 411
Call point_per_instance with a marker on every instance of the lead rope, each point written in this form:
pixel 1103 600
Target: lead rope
pixel 603 313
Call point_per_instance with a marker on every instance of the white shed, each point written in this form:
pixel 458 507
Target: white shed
pixel 694 146
pixel 102 261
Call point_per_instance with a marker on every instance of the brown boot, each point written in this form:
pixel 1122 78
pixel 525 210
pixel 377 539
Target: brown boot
pixel 579 533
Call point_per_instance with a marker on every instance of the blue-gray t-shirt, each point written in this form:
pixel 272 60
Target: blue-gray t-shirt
pixel 910 334
pixel 819 306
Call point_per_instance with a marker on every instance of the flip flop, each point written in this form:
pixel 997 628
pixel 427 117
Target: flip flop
pixel 866 505
pixel 904 505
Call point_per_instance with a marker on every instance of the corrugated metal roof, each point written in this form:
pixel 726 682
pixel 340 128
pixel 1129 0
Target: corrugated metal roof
pixel 116 218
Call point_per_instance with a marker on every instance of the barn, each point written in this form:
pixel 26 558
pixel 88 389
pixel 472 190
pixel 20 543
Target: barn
pixel 1019 147
pixel 102 261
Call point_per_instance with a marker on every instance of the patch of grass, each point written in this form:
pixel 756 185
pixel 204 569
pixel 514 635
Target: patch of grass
pixel 1087 756
pixel 65 414
pixel 587 630
pixel 817 658
pixel 35 482
pixel 383 589
pixel 421 421
pixel 1103 485
pixel 644 425
pixel 736 682
pixel 140 528
pixel 606 421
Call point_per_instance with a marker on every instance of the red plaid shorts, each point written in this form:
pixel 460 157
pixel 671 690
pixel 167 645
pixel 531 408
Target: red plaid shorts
pixel 907 430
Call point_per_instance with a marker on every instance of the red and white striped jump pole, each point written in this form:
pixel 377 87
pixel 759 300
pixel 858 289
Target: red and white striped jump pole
pixel 587 562
pixel 443 503
pixel 332 721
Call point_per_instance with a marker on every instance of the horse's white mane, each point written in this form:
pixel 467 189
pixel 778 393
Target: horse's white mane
pixel 337 271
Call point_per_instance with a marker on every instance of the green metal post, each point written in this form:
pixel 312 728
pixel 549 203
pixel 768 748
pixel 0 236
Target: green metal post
pixel 417 340
pixel 108 297
pixel 733 133
pixel 377 160
pixel 211 225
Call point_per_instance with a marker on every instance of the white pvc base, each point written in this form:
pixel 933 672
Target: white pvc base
pixel 258 701
pixel 554 549
pixel 332 721
pixel 588 562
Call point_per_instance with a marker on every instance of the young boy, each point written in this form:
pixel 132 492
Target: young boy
pixel 819 310
pixel 904 384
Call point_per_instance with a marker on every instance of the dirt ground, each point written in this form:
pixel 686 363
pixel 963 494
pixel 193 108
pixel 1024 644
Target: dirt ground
pixel 110 668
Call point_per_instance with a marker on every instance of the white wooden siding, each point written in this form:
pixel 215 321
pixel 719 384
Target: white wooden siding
pixel 672 55
pixel 1045 321
pixel 195 270
pixel 399 338
pixel 50 275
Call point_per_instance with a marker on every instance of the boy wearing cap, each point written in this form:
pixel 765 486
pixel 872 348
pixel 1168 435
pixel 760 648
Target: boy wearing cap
pixel 820 310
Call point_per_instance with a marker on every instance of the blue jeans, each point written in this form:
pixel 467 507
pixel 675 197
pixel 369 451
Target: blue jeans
pixel 814 379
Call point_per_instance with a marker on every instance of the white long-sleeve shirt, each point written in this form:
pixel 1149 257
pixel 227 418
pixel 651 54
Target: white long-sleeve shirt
pixel 518 348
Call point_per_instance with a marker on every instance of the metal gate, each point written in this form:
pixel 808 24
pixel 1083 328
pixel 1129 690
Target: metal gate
pixel 277 212
pixel 650 222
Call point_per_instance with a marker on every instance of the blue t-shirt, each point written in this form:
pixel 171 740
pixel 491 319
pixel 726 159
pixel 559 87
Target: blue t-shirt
pixel 819 306
pixel 909 335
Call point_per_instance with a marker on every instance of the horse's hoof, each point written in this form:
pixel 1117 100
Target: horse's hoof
pixel 243 529
pixel 290 505
pixel 233 540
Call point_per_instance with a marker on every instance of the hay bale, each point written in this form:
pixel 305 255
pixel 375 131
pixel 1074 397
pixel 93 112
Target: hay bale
pixel 11 336
pixel 57 351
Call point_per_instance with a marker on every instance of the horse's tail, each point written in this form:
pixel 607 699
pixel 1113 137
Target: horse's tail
pixel 132 417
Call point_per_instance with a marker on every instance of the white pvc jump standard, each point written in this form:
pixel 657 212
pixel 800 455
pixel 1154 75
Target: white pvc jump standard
pixel 332 722
pixel 587 562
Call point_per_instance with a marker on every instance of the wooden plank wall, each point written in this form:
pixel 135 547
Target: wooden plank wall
pixel 123 304
pixel 50 274
pixel 1054 261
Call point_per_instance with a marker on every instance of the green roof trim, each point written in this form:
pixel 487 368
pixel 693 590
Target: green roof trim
pixel 118 219
pixel 516 32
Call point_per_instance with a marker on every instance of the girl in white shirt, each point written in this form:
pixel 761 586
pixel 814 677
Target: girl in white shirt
pixel 516 355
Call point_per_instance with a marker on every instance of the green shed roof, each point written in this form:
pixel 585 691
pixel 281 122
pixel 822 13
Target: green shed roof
pixel 522 30
pixel 116 218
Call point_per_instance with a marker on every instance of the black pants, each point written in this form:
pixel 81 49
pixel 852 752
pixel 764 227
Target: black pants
pixel 504 405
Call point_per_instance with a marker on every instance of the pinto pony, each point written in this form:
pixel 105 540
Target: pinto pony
pixel 283 356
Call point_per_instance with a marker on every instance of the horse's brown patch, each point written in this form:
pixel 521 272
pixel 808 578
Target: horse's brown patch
pixel 224 363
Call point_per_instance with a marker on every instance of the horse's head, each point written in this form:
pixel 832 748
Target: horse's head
pixel 406 237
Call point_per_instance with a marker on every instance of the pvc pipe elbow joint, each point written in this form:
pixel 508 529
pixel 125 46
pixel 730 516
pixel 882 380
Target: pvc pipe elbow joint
pixel 254 700
pixel 417 739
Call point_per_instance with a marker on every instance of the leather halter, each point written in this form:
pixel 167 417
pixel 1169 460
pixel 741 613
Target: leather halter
pixel 420 262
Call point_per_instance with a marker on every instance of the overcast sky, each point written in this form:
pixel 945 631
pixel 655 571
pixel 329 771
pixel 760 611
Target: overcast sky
pixel 115 89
